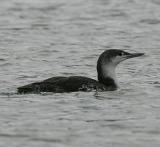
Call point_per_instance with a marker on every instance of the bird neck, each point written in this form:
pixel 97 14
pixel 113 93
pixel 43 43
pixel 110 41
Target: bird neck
pixel 107 75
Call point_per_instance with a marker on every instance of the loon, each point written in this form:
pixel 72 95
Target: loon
pixel 107 81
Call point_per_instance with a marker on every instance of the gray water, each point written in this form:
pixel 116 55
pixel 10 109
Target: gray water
pixel 44 38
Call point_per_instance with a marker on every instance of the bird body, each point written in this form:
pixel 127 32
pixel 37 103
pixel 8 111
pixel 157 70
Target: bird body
pixel 63 84
pixel 107 81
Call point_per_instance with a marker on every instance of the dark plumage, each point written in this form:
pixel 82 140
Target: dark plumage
pixel 106 64
pixel 63 84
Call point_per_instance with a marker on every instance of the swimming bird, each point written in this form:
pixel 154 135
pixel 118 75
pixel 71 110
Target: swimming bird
pixel 107 80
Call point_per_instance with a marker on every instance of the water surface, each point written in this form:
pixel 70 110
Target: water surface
pixel 40 39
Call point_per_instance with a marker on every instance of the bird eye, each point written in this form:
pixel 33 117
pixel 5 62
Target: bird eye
pixel 121 54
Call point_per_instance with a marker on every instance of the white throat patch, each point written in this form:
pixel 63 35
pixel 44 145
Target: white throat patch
pixel 109 71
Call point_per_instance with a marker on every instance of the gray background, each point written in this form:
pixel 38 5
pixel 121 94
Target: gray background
pixel 44 38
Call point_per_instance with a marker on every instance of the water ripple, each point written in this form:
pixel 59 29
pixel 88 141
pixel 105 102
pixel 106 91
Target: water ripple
pixel 40 39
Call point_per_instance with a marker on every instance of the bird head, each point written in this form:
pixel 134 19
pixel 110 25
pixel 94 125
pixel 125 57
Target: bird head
pixel 115 56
